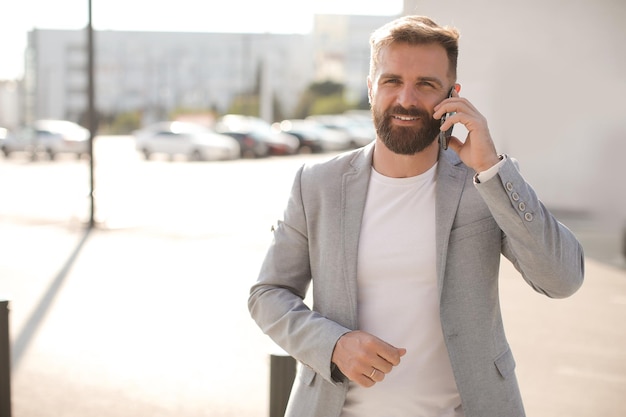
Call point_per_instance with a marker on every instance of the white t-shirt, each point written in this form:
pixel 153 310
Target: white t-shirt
pixel 398 301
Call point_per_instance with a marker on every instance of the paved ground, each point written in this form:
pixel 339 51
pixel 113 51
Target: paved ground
pixel 152 321
pixel 132 323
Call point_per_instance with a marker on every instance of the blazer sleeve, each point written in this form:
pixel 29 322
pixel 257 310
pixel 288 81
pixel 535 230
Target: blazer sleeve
pixel 543 250
pixel 276 300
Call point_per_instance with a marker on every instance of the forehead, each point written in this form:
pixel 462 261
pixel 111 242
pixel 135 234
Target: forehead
pixel 405 59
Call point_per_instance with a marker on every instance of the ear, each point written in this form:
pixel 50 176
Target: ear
pixel 369 89
pixel 457 87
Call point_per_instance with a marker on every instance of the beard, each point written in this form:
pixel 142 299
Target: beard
pixel 405 140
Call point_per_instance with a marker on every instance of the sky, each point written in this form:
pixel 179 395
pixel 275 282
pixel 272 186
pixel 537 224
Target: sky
pixel 255 16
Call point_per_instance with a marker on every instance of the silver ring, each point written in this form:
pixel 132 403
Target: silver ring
pixel 372 374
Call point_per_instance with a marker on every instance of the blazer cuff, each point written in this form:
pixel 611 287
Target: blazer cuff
pixel 491 172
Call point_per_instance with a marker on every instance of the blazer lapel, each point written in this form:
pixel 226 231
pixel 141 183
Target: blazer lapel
pixel 354 185
pixel 450 182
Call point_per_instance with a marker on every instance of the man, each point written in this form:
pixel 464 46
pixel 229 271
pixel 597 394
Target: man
pixel 402 241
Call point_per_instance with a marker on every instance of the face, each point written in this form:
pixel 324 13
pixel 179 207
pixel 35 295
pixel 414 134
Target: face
pixel 410 81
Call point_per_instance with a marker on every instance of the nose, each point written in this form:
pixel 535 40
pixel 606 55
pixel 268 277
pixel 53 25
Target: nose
pixel 408 96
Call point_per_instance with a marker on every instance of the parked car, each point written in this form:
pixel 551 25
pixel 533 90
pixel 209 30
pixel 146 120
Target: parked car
pixel 362 118
pixel 193 141
pixel 315 137
pixel 21 140
pixel 358 133
pixel 52 137
pixel 256 137
pixel 280 143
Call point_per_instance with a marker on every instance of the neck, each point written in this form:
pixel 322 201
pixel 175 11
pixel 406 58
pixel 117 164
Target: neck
pixel 394 165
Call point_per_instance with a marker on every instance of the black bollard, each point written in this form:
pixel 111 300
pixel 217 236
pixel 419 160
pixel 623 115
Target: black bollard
pixel 5 361
pixel 282 375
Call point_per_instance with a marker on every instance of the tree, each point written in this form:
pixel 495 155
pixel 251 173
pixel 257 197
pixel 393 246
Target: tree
pixel 324 97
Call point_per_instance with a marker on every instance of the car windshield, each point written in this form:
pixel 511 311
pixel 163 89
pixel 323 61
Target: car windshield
pixel 238 123
pixel 69 130
pixel 184 127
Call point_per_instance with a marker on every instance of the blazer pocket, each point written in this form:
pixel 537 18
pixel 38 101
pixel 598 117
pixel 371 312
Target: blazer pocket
pixel 505 363
pixel 474 228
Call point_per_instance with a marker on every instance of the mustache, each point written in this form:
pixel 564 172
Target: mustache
pixel 411 111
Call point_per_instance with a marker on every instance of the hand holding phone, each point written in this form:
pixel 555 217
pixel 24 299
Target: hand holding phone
pixel 444 136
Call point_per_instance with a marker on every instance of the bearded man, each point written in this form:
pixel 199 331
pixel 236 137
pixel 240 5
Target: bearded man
pixel 401 241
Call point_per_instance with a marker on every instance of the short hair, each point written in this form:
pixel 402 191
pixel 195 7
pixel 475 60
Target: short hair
pixel 415 30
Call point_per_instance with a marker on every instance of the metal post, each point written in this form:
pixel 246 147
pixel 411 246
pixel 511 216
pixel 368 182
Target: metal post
pixel 91 113
pixel 5 361
pixel 282 375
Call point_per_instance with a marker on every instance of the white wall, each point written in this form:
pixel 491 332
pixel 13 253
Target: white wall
pixel 550 76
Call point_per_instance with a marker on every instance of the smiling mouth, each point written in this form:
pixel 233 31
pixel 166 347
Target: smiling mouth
pixel 405 118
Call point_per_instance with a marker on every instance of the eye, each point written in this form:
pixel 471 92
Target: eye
pixel 390 80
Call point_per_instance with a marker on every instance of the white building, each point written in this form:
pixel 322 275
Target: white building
pixel 156 72
pixel 9 104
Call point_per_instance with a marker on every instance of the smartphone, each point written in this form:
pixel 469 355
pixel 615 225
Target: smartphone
pixel 444 136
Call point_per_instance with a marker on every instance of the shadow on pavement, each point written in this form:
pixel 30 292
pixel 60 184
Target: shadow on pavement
pixel 24 338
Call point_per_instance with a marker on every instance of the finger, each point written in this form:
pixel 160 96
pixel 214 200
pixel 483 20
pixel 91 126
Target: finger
pixel 446 106
pixel 363 380
pixel 376 348
pixel 376 375
pixel 457 117
pixel 391 354
pixel 454 104
pixel 382 364
pixel 463 105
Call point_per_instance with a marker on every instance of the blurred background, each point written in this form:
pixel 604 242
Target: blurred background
pixel 547 75
pixel 145 314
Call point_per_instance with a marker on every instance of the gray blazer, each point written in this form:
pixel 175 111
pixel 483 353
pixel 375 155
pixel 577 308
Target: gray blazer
pixel 317 243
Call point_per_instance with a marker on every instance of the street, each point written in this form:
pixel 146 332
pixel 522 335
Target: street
pixel 146 314
pixel 162 325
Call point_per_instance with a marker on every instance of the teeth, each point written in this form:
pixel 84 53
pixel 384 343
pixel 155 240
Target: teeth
pixel 406 118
